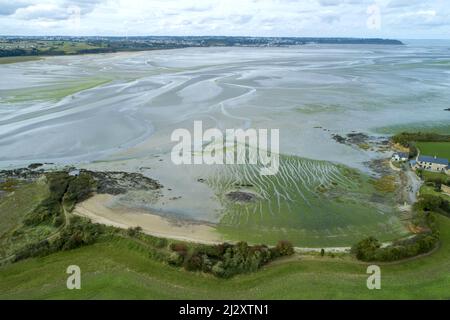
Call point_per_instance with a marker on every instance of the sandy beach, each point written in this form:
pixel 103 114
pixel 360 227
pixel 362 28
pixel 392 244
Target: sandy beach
pixel 98 208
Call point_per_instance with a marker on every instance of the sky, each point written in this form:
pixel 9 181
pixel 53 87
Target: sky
pixel 399 19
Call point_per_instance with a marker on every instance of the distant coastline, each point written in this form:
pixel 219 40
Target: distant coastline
pixel 35 46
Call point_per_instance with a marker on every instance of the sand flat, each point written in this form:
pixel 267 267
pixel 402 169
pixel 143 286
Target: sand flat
pixel 98 209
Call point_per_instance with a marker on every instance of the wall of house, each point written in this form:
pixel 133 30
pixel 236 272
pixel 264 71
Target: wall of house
pixel 445 189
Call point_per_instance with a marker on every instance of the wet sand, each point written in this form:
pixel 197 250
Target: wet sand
pixel 100 210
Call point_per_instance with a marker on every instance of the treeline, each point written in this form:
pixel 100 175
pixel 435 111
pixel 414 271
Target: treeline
pixel 79 232
pixel 370 249
pixel 226 260
pixel 64 192
pixel 436 180
pixel 407 139
pixel 433 203
pixel 222 260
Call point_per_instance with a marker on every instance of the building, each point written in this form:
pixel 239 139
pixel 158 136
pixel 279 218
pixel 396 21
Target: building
pixel 432 163
pixel 400 156
pixel 445 189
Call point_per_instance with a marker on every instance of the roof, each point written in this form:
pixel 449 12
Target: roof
pixel 433 160
pixel 402 154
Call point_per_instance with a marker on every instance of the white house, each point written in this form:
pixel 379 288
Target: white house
pixel 400 156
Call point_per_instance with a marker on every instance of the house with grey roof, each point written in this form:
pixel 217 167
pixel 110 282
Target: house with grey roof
pixel 432 163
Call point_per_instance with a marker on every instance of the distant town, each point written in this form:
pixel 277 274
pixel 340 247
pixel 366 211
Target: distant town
pixel 13 46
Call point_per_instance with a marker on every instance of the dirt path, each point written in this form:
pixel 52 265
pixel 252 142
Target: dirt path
pixel 413 186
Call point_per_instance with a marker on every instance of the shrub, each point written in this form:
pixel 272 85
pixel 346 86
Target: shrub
pixel 193 263
pixel 369 249
pixel 366 248
pixel 179 247
pixel 79 232
pixel 284 248
pixel 79 189
pixel 38 249
pixel 429 202
pixel 218 270
pixel 134 231
pixel 175 259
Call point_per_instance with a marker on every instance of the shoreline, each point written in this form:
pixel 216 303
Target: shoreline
pixel 98 210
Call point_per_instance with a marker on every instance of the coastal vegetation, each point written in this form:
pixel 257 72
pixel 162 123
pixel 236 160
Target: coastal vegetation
pixel 120 268
pixel 53 209
pixel 145 262
pixel 431 203
pixel 407 138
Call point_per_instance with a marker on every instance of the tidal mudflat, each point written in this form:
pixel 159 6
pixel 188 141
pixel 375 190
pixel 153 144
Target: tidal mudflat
pixel 117 112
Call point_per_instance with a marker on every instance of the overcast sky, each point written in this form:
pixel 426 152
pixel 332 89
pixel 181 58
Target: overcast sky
pixel 403 19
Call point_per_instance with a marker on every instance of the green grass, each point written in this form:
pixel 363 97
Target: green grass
pixel 310 203
pixel 424 190
pixel 53 92
pixel 15 205
pixel 438 149
pixel 13 208
pixel 428 176
pixel 7 60
pixel 121 269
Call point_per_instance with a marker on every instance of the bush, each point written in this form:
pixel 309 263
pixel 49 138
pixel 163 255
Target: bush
pixel 218 270
pixel 134 231
pixel 369 249
pixel 225 260
pixel 429 202
pixel 365 249
pixel 79 232
pixel 38 249
pixel 79 189
pixel 175 259
pixel 179 247
pixel 193 263
pixel 285 248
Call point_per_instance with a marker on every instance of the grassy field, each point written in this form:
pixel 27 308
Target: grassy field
pixel 439 149
pixel 121 269
pixel 13 208
pixel 430 190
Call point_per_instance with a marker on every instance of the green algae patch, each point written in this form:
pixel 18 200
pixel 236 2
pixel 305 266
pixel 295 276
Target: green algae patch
pixel 53 92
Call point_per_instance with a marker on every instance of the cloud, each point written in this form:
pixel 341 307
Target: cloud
pixel 331 18
pixel 52 10
pixel 399 18
pixel 8 7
